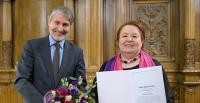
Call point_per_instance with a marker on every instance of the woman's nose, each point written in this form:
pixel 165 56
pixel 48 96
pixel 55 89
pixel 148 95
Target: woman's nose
pixel 130 38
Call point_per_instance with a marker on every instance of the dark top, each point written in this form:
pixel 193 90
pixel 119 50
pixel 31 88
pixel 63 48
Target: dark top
pixel 169 95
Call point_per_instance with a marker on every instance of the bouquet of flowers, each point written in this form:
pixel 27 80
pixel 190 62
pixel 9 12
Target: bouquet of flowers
pixel 73 90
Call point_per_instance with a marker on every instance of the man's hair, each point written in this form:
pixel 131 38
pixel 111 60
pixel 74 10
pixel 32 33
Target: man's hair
pixel 64 10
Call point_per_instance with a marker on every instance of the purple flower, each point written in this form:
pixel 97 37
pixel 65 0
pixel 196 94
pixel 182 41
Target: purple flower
pixel 48 97
pixel 74 82
pixel 73 92
pixel 83 100
pixel 56 99
pixel 87 87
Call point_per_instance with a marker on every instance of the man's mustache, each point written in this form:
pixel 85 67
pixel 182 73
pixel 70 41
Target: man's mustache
pixel 61 32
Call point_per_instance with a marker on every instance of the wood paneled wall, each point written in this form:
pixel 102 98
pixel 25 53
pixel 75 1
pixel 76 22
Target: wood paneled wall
pixel 89 33
pixel 172 36
pixel 1 17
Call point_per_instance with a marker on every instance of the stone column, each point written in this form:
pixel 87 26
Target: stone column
pixel 189 37
pixel 6 50
pixel 191 82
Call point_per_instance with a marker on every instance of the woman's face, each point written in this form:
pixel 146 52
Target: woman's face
pixel 130 39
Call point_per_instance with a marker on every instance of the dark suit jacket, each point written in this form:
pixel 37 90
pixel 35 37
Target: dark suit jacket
pixel 35 69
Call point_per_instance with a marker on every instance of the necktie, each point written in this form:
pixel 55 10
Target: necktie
pixel 56 59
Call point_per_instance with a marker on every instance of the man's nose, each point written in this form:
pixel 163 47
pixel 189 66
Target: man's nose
pixel 60 28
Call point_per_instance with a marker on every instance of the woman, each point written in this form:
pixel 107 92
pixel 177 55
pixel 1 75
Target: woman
pixel 130 39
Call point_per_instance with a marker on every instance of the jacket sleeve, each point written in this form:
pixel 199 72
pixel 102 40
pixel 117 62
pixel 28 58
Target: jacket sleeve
pixel 80 66
pixel 168 92
pixel 24 72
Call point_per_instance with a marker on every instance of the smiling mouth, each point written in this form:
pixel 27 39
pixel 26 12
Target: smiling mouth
pixel 60 33
pixel 128 45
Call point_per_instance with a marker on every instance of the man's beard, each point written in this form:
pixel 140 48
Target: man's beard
pixel 58 38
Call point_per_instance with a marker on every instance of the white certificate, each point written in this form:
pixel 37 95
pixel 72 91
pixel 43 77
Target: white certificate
pixel 144 85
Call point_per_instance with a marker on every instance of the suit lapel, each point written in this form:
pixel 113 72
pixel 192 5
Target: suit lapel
pixel 65 60
pixel 46 56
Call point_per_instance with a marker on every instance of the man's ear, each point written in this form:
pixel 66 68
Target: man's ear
pixel 48 23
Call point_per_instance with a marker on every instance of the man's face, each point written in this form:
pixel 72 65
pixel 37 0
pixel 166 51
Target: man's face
pixel 59 26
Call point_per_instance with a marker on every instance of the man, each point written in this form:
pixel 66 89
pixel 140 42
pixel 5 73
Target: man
pixel 46 60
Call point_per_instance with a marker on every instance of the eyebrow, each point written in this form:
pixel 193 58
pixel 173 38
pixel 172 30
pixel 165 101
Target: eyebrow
pixel 131 33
